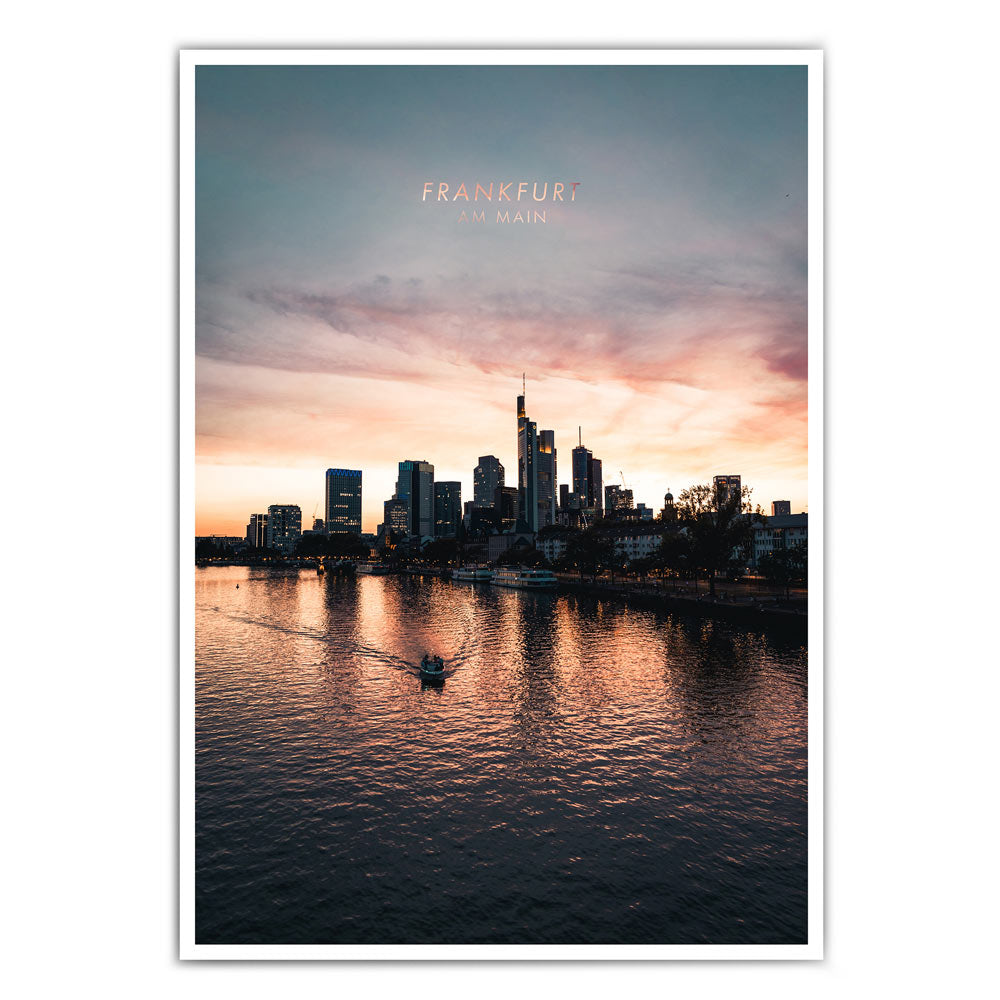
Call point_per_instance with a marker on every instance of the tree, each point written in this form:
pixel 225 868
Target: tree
pixel 641 567
pixel 616 561
pixel 521 554
pixel 206 549
pixel 784 567
pixel 534 557
pixel 337 545
pixel 674 555
pixel 347 545
pixel 720 527
pixel 473 552
pixel 564 563
pixel 590 551
pixel 441 552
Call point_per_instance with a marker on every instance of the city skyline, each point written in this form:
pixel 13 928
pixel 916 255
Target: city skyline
pixel 342 322
pixel 582 480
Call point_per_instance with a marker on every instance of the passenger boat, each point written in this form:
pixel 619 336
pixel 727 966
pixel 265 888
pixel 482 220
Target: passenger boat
pixel 524 578
pixel 432 668
pixel 472 574
pixel 372 569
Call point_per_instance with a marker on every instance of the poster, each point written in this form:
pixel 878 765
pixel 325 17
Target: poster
pixel 501 400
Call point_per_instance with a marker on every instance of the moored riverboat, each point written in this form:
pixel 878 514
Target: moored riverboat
pixel 472 574
pixel 524 578
pixel 372 569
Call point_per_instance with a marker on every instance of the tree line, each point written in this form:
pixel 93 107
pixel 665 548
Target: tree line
pixel 710 535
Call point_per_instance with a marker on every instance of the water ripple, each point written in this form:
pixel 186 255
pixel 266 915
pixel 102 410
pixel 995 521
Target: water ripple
pixel 587 772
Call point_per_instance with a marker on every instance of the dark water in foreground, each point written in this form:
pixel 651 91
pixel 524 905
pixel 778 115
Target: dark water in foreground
pixel 588 772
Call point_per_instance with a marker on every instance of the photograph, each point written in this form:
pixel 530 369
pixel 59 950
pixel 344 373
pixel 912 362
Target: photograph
pixel 501 403
pixel 495 404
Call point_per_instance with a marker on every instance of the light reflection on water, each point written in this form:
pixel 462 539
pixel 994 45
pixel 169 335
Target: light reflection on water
pixel 588 771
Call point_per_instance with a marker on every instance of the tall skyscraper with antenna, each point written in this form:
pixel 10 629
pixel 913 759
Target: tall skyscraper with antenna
pixel 527 464
pixel 581 468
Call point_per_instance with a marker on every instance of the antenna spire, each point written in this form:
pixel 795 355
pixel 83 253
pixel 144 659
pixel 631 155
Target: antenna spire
pixel 579 431
pixel 523 393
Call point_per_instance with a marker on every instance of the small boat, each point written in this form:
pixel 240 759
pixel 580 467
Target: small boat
pixel 432 668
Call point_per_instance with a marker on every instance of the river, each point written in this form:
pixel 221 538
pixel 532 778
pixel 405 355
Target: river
pixel 588 772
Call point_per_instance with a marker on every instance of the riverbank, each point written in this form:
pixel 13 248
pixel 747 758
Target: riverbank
pixel 731 604
pixel 749 610
pixel 791 615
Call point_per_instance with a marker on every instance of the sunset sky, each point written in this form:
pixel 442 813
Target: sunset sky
pixel 342 321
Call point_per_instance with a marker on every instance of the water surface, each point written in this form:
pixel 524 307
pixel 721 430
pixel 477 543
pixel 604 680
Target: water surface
pixel 588 771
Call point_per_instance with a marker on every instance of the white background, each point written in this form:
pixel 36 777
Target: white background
pixel 89 321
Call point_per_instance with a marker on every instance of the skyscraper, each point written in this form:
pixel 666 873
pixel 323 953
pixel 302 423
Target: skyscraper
pixel 396 516
pixel 581 471
pixel 595 484
pixel 486 477
pixel 546 453
pixel 779 507
pixel 527 466
pixel 415 485
pixel 507 503
pixel 284 527
pixel 257 531
pixel 616 498
pixel 343 500
pixel 724 485
pixel 588 477
pixel 447 508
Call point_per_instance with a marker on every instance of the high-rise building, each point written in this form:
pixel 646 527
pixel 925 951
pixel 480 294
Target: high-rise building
pixel 595 484
pixel 588 477
pixel 527 466
pixel 725 486
pixel 616 498
pixel 581 469
pixel 546 453
pixel 396 516
pixel 486 477
pixel 563 495
pixel 319 526
pixel 779 507
pixel 507 504
pixel 479 520
pixel 447 508
pixel 575 511
pixel 284 527
pixel 257 531
pixel 415 485
pixel 343 500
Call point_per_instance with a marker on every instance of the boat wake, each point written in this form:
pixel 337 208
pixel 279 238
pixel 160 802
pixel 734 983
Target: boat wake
pixel 454 660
